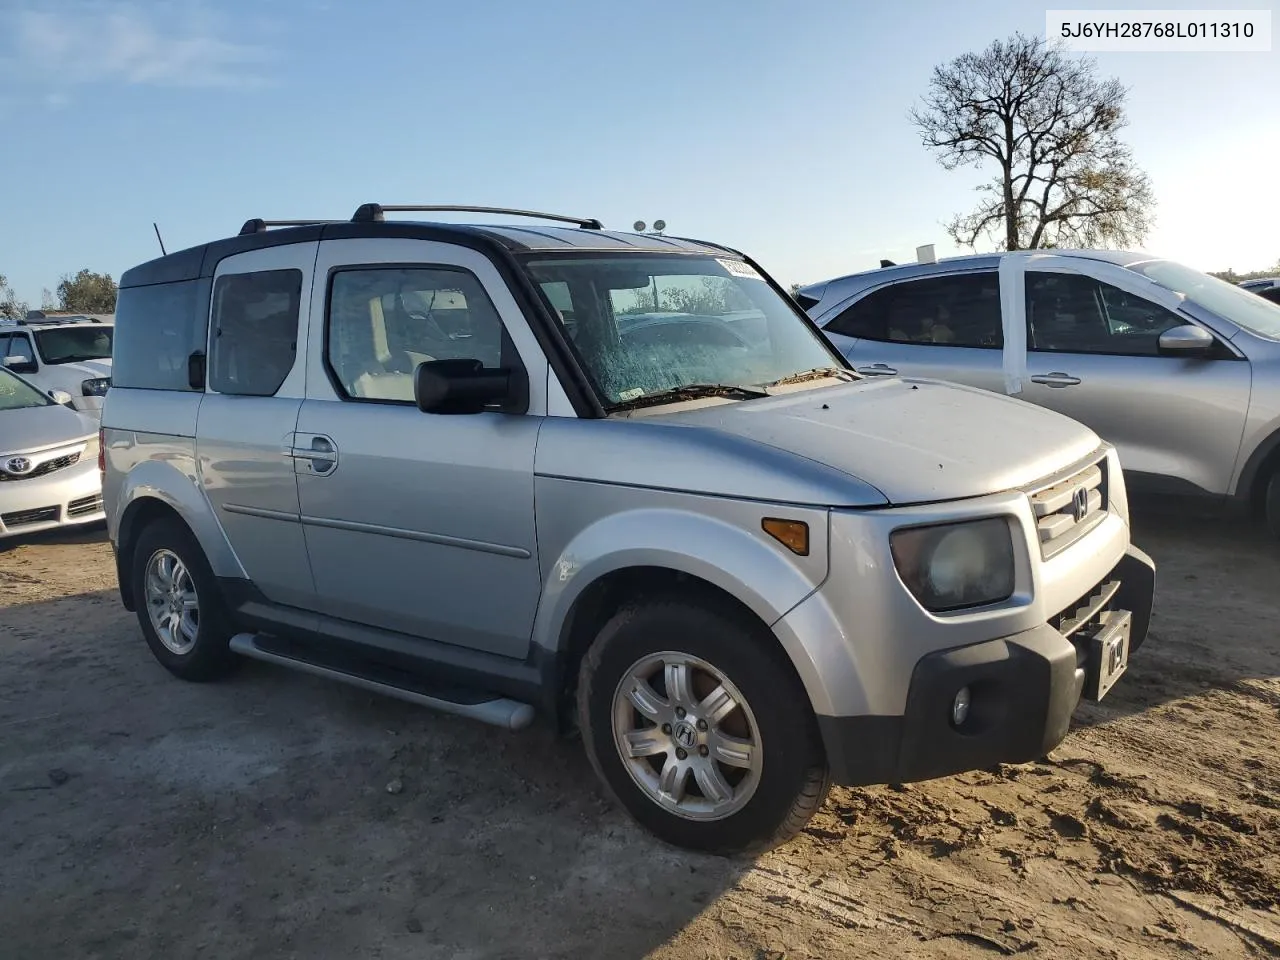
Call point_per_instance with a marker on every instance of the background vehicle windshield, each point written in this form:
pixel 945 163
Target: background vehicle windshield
pixel 645 324
pixel 1241 307
pixel 17 394
pixel 70 344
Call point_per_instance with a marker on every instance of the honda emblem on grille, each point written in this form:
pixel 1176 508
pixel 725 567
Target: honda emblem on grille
pixel 1080 503
pixel 18 466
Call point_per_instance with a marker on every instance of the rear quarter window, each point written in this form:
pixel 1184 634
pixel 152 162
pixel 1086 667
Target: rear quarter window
pixel 157 329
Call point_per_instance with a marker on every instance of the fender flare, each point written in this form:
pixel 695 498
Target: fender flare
pixel 161 481
pixel 1250 471
pixel 761 578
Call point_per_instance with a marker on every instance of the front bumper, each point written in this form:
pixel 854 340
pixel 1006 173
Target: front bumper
pixel 1024 689
pixel 66 497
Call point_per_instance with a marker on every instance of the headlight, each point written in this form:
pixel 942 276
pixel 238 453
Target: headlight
pixel 95 388
pixel 91 447
pixel 955 565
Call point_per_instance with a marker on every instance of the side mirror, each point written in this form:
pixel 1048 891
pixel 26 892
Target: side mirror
pixel 17 363
pixel 60 396
pixel 1187 340
pixel 460 386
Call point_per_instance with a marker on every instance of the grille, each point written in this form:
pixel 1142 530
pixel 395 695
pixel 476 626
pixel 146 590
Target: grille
pixel 22 518
pixel 1069 507
pixel 85 505
pixel 49 466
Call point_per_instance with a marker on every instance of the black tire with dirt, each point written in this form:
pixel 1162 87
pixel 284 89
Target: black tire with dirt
pixel 209 656
pixel 1271 503
pixel 792 781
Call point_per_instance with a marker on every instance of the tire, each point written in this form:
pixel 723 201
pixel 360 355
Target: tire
pixel 774 787
pixel 169 566
pixel 1271 503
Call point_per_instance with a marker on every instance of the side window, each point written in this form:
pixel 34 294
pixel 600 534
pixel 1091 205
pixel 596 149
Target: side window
pixel 955 311
pixel 1272 294
pixel 255 331
pixel 158 327
pixel 1068 313
pixel 384 321
pixel 868 319
pixel 20 346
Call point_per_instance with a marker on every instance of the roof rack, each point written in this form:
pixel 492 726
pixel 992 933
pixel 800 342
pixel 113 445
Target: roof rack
pixel 373 213
pixel 258 225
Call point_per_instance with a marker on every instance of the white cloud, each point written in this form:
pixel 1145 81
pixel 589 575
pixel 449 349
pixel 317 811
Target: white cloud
pixel 110 42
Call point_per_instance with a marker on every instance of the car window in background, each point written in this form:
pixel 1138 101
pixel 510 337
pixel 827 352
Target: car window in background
pixel 1069 313
pixel 1242 307
pixel 17 394
pixel 19 346
pixel 73 344
pixel 956 311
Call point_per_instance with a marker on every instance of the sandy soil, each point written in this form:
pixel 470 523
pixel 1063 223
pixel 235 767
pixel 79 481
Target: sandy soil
pixel 279 816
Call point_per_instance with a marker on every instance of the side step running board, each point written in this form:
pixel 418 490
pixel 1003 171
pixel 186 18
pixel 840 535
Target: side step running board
pixel 499 712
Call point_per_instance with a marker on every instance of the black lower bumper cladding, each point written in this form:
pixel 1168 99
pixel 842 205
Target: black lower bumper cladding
pixel 1023 690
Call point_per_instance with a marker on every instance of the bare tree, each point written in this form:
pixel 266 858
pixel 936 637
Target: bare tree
pixel 1051 127
pixel 11 308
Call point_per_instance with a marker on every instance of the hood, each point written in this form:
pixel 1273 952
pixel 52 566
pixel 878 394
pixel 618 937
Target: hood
pixel 81 369
pixel 33 428
pixel 916 441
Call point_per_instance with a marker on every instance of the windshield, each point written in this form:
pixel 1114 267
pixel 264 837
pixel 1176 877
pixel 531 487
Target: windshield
pixel 71 344
pixel 16 394
pixel 643 325
pixel 1240 306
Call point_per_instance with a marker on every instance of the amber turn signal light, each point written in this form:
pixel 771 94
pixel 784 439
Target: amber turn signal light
pixel 792 534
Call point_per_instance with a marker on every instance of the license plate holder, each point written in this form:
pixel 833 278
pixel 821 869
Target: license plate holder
pixel 1108 653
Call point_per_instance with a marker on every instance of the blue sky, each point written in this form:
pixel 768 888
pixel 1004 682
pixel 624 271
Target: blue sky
pixel 776 127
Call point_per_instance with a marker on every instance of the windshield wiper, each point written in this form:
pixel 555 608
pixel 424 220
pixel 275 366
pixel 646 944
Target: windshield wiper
pixel 817 373
pixel 691 391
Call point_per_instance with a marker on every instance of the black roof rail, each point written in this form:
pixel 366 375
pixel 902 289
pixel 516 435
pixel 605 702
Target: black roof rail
pixel 373 213
pixel 258 225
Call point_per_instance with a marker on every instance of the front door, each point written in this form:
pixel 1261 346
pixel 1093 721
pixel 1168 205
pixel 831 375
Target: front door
pixel 255 384
pixel 1093 354
pixel 419 523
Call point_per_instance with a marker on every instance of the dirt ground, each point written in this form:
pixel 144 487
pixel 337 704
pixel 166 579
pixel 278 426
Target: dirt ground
pixel 275 815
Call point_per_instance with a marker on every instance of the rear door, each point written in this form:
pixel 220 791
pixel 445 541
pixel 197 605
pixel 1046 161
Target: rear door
pixel 946 327
pixel 244 435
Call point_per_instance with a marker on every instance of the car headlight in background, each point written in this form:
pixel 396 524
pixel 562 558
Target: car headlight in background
pixel 956 565
pixel 95 388
pixel 91 448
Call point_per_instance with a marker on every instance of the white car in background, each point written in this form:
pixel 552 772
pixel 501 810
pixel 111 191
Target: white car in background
pixel 70 353
pixel 49 464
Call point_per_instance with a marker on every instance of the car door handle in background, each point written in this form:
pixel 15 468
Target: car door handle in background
pixel 320 457
pixel 1055 379
pixel 877 370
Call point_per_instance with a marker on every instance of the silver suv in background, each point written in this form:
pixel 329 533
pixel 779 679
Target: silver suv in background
pixel 1178 369
pixel 615 481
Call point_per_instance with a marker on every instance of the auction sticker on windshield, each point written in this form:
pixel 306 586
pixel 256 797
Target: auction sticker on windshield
pixel 737 268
